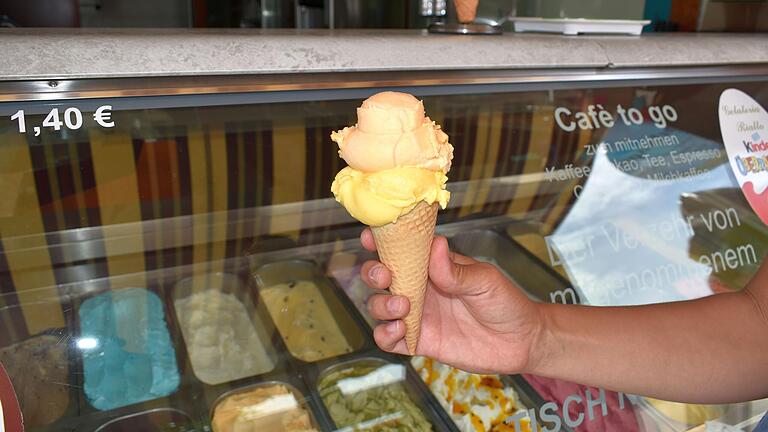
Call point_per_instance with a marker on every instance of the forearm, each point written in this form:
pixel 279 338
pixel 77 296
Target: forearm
pixel 709 350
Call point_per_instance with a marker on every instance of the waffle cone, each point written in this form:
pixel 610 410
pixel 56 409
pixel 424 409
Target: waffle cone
pixel 404 248
pixel 466 10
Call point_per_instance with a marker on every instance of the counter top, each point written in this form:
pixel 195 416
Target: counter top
pixel 93 53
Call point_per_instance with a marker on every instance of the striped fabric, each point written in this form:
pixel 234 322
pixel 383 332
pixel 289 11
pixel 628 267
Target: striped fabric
pixel 12 319
pixel 28 275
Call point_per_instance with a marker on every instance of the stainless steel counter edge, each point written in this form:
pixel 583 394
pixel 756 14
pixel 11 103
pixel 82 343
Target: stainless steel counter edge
pixel 44 54
pixel 418 82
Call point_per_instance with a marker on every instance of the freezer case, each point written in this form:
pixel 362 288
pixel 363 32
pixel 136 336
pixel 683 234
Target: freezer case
pixel 172 258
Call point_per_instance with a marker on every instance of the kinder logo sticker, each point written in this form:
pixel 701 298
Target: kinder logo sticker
pixel 743 124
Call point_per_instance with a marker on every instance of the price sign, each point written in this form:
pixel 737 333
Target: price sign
pixel 70 118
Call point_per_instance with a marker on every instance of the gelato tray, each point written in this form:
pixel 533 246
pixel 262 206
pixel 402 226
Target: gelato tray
pixel 225 338
pixel 273 406
pixel 312 320
pixel 527 271
pixel 127 353
pixel 371 394
pixel 474 402
pixel 39 368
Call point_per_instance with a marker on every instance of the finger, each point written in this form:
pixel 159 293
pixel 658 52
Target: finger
pixel 390 337
pixel 458 274
pixel 366 238
pixel 456 257
pixel 388 307
pixel 461 259
pixel 376 275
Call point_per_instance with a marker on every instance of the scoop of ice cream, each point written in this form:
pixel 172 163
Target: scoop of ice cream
pixel 305 321
pixel 390 112
pixel 379 198
pixel 369 395
pixel 263 408
pixel 392 131
pixel 39 373
pixel 222 341
pixel 134 359
pixel 474 402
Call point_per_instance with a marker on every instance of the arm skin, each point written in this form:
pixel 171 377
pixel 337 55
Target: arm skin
pixel 710 350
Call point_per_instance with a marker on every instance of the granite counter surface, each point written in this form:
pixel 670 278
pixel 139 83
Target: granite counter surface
pixel 33 54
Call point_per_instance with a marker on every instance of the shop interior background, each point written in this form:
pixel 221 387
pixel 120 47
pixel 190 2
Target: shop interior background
pixel 666 15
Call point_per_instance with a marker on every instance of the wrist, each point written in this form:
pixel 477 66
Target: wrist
pixel 542 348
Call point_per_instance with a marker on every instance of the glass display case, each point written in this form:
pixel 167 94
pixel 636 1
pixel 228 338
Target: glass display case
pixel 172 258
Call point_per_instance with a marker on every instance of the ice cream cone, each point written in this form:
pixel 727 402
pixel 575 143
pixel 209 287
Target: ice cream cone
pixel 466 10
pixel 404 248
pixel 398 163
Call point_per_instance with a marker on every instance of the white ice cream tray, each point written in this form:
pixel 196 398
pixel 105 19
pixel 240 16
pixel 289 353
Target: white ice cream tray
pixel 574 26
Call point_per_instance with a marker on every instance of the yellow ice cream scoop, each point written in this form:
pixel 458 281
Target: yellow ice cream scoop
pixel 379 198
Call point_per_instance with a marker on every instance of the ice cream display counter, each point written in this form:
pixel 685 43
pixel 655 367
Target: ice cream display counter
pixel 172 257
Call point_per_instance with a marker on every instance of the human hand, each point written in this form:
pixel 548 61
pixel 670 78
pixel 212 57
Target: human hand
pixel 474 317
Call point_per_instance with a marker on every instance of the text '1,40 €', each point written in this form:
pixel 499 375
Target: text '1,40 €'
pixel 70 118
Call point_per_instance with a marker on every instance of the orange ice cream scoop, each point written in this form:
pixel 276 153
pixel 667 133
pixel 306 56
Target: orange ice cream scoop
pixel 392 131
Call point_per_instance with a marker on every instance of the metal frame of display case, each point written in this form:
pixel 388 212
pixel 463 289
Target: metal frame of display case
pixel 530 79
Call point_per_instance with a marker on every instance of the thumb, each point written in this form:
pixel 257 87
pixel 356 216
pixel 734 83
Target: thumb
pixel 451 277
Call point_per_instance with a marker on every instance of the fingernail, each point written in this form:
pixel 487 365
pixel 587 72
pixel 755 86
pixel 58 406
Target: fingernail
pixel 392 327
pixel 396 304
pixel 373 273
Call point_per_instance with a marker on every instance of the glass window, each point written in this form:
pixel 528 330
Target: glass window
pixel 178 210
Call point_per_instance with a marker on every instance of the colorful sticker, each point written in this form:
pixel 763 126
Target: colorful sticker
pixel 744 127
pixel 10 412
